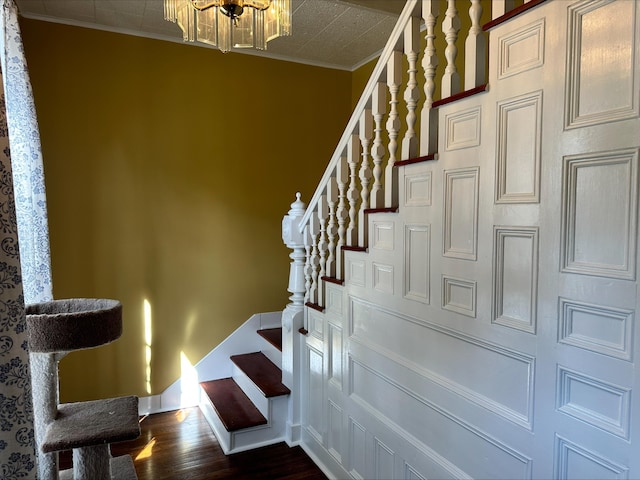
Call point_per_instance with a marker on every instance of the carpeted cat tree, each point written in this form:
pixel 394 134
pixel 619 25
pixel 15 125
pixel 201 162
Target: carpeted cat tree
pixel 54 329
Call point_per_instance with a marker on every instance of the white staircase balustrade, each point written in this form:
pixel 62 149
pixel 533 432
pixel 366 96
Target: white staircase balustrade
pixel 475 73
pixel 429 116
pixel 450 27
pixel 366 133
pixel 394 81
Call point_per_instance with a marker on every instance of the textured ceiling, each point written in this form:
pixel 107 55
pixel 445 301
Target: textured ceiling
pixel 340 34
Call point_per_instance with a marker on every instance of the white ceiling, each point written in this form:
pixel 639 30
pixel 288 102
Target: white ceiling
pixel 341 34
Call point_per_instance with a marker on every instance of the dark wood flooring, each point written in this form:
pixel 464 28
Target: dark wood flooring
pixel 180 445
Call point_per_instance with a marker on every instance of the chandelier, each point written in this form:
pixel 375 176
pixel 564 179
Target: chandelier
pixel 230 23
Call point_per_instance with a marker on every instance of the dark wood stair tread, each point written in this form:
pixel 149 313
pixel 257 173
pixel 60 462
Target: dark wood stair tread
pixel 263 372
pixel 85 424
pixel 233 406
pixel 273 336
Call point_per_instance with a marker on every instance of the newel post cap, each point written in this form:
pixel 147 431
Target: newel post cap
pixel 291 234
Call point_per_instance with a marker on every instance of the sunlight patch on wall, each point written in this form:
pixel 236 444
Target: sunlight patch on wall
pixel 189 385
pixel 146 312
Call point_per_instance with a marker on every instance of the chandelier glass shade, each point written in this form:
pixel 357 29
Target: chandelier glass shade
pixel 230 24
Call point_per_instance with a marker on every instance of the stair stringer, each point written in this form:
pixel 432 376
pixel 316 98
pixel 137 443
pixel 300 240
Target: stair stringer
pixel 185 392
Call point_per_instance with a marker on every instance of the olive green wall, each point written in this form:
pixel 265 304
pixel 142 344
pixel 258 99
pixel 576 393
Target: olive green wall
pixel 168 170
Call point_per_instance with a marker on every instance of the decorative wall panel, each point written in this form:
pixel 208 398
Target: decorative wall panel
pixel 433 352
pixel 383 460
pixel 600 404
pixel 574 461
pixel 382 236
pixel 315 324
pixel 357 272
pixel 334 440
pixel 315 394
pixel 417 189
pixel 461 213
pixel 382 277
pixel 604 330
pixel 417 260
pixel 459 295
pixel 334 299
pixel 382 393
pixel 357 449
pixel 599 214
pixel 335 356
pixel 515 277
pixel 518 145
pixel 462 129
pixel 521 50
pixel 602 63
pixel 411 474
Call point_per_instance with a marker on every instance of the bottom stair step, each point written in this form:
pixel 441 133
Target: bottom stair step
pixel 232 405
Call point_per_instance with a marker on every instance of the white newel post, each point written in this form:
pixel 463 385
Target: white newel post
pixel 293 317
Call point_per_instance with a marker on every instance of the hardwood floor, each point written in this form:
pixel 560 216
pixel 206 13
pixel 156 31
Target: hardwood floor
pixel 180 445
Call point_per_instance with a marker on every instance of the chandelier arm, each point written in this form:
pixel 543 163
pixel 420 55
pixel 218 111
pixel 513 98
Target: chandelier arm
pixel 216 3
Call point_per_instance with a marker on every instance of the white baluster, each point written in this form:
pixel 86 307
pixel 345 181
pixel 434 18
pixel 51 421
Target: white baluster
pixel 379 108
pixel 475 50
pixel 342 177
pixel 429 117
pixel 412 92
pixel 353 154
pixel 314 230
pixel 332 199
pixel 307 264
pixel 450 27
pixel 394 80
pixel 366 133
pixel 500 7
pixel 323 214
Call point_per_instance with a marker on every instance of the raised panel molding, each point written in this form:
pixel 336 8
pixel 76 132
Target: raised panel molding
pixel 357 272
pixel 515 277
pixel 357 449
pixel 599 209
pixel 334 299
pixel 519 143
pixel 462 129
pixel 601 87
pixel 382 278
pixel 509 462
pixel 315 424
pixel 460 225
pixel 604 330
pixel 382 236
pixel 598 403
pixel 316 324
pixel 417 260
pixel 335 356
pixel 521 50
pixel 417 189
pixel 432 352
pixel 384 459
pixel 573 461
pixel 334 441
pixel 459 295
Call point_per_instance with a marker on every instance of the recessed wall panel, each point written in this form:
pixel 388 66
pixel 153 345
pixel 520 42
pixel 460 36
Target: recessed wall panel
pixel 382 277
pixel 602 63
pixel 335 356
pixel 604 330
pixel 451 359
pixel 335 434
pixel 357 449
pixel 461 213
pixel 417 262
pixel 438 428
pixel 598 403
pixel 515 277
pixel 417 189
pixel 383 460
pixel 459 295
pixel 315 394
pixel 573 461
pixel 518 146
pixel 599 214
pixel 521 50
pixel 462 129
pixel 382 236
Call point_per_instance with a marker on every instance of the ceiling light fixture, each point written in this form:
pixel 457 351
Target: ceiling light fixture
pixel 230 24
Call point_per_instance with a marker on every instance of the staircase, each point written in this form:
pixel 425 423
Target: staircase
pixel 248 408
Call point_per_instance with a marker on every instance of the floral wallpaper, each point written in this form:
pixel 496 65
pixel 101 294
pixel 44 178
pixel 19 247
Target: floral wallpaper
pixel 17 450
